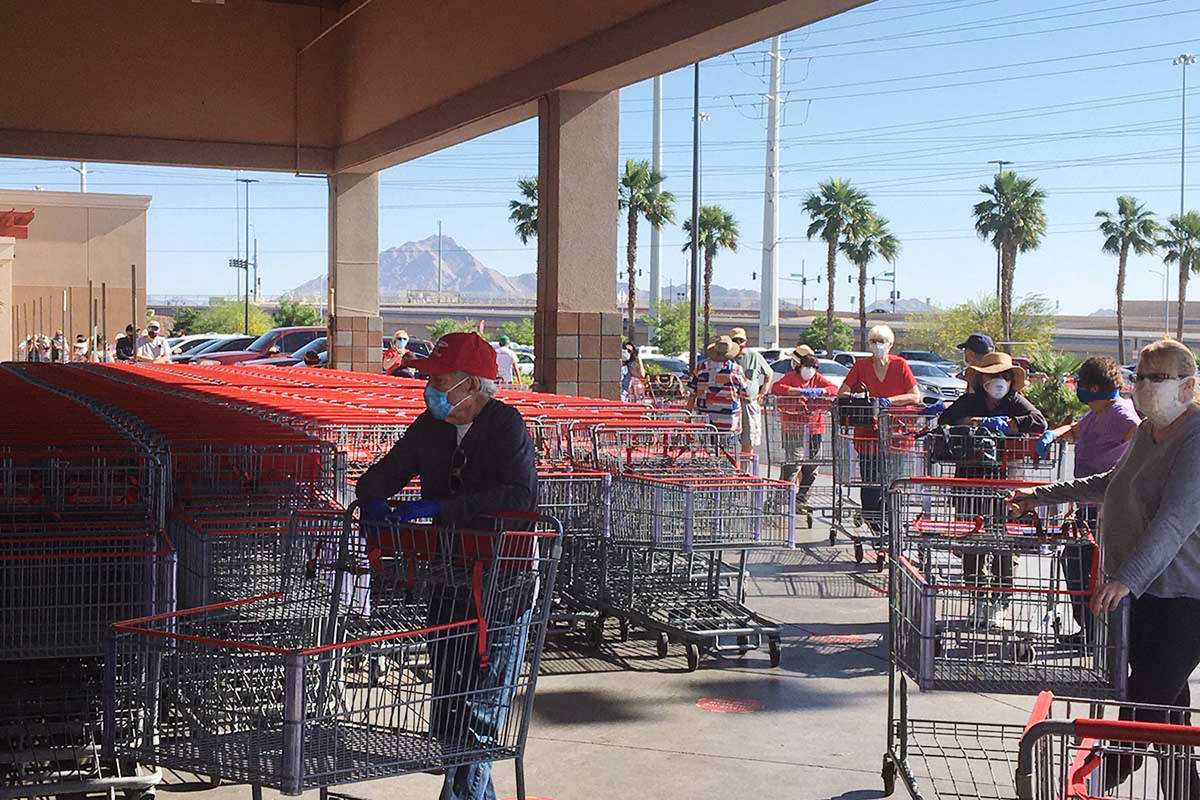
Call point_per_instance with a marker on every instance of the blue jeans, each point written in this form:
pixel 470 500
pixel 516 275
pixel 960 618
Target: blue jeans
pixel 473 703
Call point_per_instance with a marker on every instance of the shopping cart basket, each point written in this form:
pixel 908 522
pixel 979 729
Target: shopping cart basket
pixel 651 445
pixel 800 441
pixel 275 690
pixel 580 500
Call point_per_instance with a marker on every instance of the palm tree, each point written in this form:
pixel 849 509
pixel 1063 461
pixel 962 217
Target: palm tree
pixel 871 239
pixel 1180 243
pixel 718 229
pixel 1014 218
pixel 523 213
pixel 836 208
pixel 1132 227
pixel 640 194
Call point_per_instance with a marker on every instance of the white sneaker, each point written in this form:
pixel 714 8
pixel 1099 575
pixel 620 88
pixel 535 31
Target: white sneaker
pixel 1001 615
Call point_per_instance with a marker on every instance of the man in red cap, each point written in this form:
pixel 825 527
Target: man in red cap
pixel 474 457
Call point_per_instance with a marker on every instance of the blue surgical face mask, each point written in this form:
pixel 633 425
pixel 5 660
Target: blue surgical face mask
pixel 1086 397
pixel 401 344
pixel 438 402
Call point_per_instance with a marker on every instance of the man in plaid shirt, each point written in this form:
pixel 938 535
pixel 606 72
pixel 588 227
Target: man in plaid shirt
pixel 718 387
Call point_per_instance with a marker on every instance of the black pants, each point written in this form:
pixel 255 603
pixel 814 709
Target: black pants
pixel 799 461
pixel 870 470
pixel 1077 569
pixel 1164 649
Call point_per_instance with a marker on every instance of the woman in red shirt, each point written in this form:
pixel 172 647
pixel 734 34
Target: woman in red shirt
pixel 887 378
pixel 802 417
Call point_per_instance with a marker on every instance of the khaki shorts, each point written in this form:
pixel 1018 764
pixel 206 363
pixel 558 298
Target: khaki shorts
pixel 752 424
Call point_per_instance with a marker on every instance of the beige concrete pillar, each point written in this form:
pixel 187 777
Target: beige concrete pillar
pixel 577 324
pixel 355 330
pixel 8 346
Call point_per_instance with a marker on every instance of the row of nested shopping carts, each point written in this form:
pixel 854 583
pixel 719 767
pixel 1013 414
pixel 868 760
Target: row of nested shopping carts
pixel 984 601
pixel 658 516
pixel 181 587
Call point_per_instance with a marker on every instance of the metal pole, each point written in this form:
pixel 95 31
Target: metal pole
pixel 246 262
pixel 133 295
pixel 103 312
pixel 67 335
pixel 695 214
pixel 768 307
pixel 90 317
pixel 95 323
pixel 256 268
pixel 439 269
pixel 656 164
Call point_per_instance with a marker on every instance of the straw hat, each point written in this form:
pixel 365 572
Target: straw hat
pixel 723 349
pixel 800 351
pixel 995 364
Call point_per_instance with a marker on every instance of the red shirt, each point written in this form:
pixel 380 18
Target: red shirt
pixel 802 412
pixel 898 380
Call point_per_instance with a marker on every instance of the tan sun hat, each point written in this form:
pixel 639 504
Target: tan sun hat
pixel 800 351
pixel 738 333
pixel 994 364
pixel 723 349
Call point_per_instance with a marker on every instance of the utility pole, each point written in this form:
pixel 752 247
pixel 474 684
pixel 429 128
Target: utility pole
pixel 695 267
pixel 768 306
pixel 439 263
pixel 246 262
pixel 256 269
pixel 83 173
pixel 1182 60
pixel 656 164
pixel 999 171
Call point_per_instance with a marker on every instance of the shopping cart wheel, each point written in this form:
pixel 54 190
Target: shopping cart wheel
pixel 693 656
pixel 879 560
pixel 663 644
pixel 889 776
pixel 773 650
pixel 810 520
pixel 832 537
pixel 743 643
pixel 1023 652
pixel 858 553
pixel 140 794
pixel 595 631
pixel 857 519
pixel 624 623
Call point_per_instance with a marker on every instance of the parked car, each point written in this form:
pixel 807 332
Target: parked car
pixel 215 346
pixel 935 384
pixel 771 354
pixel 847 357
pixel 186 344
pixel 666 364
pixel 832 370
pixel 317 345
pixel 273 342
pixel 928 356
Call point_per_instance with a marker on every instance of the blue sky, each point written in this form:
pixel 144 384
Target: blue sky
pixel 909 99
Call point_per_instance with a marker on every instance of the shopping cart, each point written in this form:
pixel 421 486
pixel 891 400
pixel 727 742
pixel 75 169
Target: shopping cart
pixel 799 432
pixel 581 501
pixel 278 690
pixel 656 446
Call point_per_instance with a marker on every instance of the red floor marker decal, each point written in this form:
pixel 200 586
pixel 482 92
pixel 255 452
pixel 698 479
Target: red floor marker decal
pixel 836 638
pixel 729 705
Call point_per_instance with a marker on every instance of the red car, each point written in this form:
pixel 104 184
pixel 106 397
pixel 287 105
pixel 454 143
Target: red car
pixel 271 343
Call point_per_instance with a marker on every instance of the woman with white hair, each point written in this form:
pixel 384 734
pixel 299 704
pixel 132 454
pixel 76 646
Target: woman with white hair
pixel 888 379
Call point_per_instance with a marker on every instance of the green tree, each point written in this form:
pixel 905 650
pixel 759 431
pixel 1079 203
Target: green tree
pixel 523 212
pixel 669 323
pixel 295 312
pixel 1132 227
pixel 718 230
pixel 1014 217
pixel 440 327
pixel 817 335
pixel 942 330
pixel 1051 394
pixel 868 241
pixel 836 209
pixel 185 321
pixel 640 194
pixel 518 331
pixel 228 316
pixel 1180 243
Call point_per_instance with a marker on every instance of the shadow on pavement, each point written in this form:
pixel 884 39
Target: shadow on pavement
pixel 565 707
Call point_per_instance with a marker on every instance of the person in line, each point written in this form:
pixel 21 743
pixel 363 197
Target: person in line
pixel 396 354
pixel 312 358
pixel 474 457
pixel 993 401
pixel 718 389
pixel 802 426
pixel 758 382
pixel 152 347
pixel 127 344
pixel 58 348
pixel 976 346
pixel 1150 548
pixel 44 349
pixel 80 348
pixel 1101 438
pixel 888 379
pixel 506 361
pixel 633 373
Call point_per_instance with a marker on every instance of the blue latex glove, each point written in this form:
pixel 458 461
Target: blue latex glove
pixel 375 510
pixel 933 409
pixel 814 392
pixel 885 402
pixel 1045 442
pixel 999 424
pixel 417 509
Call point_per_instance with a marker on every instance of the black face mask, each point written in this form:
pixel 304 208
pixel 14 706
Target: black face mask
pixel 629 355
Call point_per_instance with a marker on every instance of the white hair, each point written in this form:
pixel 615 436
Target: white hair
pixel 881 332
pixel 487 386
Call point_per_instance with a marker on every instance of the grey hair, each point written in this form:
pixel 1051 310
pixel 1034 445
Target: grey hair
pixel 883 332
pixel 487 386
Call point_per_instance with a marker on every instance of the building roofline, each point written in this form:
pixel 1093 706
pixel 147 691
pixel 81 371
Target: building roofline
pixel 32 198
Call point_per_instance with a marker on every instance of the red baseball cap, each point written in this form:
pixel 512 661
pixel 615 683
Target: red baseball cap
pixel 459 352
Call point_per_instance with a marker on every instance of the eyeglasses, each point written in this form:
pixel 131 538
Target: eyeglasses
pixel 458 463
pixel 1156 377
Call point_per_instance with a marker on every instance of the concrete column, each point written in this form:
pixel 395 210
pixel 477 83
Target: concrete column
pixel 577 324
pixel 8 347
pixel 355 330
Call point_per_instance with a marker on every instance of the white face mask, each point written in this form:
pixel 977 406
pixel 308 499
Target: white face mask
pixel 1160 402
pixel 806 373
pixel 996 388
pixel 879 349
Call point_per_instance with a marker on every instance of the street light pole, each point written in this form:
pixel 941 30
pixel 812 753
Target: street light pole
pixel 247 182
pixel 695 265
pixel 1182 60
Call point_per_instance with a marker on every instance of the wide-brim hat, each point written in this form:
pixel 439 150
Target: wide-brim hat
pixel 723 349
pixel 995 364
pixel 738 333
pixel 800 351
